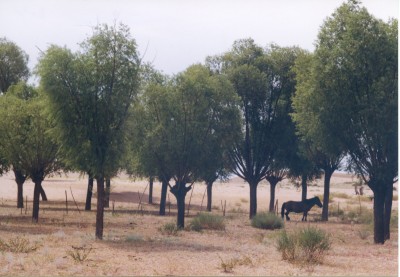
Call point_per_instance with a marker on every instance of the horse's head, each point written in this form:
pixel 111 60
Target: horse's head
pixel 318 202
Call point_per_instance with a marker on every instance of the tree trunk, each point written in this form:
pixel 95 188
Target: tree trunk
pixel 388 211
pixel 42 192
pixel 325 204
pixel 88 205
pixel 209 195
pixel 379 205
pixel 100 208
pixel 107 193
pixel 253 199
pixel 272 184
pixel 303 187
pixel 20 180
pixel 163 200
pixel 151 180
pixel 36 194
pixel 179 190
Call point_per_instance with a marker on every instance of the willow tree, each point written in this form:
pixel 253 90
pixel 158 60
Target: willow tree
pixel 182 117
pixel 90 92
pixel 29 148
pixel 353 80
pixel 264 84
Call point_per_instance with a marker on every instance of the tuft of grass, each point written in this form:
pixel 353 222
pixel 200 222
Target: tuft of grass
pixel 307 245
pixel 335 211
pixel 18 245
pixel 134 238
pixel 321 197
pixel 268 221
pixel 244 200
pixel 364 233
pixel 169 229
pixel 340 195
pixel 229 265
pixel 79 254
pixel 207 221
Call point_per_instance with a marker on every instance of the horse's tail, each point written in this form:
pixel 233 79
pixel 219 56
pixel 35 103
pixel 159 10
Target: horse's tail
pixel 283 210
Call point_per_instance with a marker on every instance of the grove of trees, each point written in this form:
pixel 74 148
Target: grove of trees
pixel 260 113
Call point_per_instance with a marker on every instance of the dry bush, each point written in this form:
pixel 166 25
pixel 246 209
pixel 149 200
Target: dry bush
pixel 169 229
pixel 229 265
pixel 79 254
pixel 18 245
pixel 340 195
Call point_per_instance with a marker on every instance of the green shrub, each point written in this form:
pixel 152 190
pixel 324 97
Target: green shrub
pixel 207 221
pixel 306 245
pixel 287 245
pixel 267 221
pixel 169 229
pixel 314 242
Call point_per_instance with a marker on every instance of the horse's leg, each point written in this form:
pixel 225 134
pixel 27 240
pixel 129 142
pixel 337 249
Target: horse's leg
pixel 287 215
pixel 305 215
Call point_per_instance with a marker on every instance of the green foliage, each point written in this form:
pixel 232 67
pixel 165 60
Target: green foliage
pixel 347 95
pixel 207 221
pixel 25 140
pixel 307 245
pixel 268 221
pixel 13 64
pixel 264 83
pixel 90 92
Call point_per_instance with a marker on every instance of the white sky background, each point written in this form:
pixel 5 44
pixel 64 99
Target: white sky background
pixel 175 33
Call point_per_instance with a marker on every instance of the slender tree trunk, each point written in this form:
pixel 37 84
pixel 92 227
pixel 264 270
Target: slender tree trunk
pixel 20 180
pixel 388 210
pixel 100 208
pixel 272 184
pixel 253 199
pixel 88 205
pixel 42 192
pixel 179 190
pixel 151 180
pixel 163 200
pixel 36 194
pixel 107 193
pixel 180 199
pixel 209 195
pixel 325 204
pixel 379 210
pixel 303 187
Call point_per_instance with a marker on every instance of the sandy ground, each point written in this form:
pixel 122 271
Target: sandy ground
pixel 133 244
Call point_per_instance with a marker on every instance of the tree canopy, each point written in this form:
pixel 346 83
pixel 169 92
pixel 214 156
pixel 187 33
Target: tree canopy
pixel 90 93
pixel 13 64
pixel 351 93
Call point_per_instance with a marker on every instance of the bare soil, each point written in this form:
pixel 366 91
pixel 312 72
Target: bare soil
pixel 134 245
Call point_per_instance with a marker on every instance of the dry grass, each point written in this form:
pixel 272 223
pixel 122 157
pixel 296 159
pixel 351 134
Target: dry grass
pixel 134 245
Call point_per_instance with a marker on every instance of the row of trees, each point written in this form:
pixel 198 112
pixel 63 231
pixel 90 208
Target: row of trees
pixel 260 113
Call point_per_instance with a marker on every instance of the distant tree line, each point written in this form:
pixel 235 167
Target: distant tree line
pixel 259 113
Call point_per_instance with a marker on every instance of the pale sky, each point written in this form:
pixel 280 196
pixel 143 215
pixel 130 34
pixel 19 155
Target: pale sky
pixel 175 33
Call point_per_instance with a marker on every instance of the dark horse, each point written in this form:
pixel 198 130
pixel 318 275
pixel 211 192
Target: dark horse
pixel 300 207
